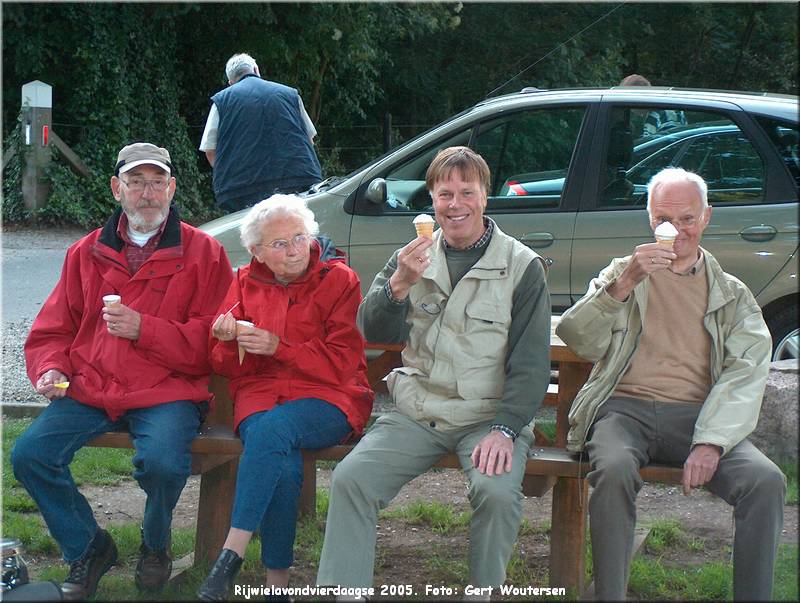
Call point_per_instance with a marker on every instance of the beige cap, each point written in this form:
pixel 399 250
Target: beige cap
pixel 140 153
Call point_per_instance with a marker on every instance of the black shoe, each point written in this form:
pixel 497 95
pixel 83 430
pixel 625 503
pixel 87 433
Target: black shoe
pixel 219 583
pixel 85 573
pixel 154 568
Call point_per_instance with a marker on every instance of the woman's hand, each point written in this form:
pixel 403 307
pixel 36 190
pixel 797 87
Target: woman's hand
pixel 224 328
pixel 257 341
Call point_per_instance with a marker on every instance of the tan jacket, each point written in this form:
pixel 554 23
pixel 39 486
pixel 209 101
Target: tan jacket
pixel 453 370
pixel 606 331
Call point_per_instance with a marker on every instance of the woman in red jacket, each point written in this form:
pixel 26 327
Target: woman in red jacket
pixel 297 377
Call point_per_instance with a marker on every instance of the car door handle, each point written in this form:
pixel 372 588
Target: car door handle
pixel 537 239
pixel 759 234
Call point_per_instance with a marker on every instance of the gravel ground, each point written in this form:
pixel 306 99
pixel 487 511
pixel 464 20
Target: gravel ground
pixel 16 387
pixel 18 242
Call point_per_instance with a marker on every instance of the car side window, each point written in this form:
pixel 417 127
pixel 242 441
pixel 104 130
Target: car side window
pixel 405 184
pixel 529 154
pixel 707 143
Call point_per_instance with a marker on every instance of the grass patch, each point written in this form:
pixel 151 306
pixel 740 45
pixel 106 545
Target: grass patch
pixel 520 572
pixel 311 532
pixel 91 466
pixel 528 529
pixel 16 499
pixel 444 569
pixel 437 516
pixel 668 533
pixel 651 580
pixel 664 533
pixel 30 531
pixel 789 469
pixel 548 428
pixel 785 588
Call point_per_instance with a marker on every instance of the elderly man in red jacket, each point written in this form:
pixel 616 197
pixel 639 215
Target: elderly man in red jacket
pixel 137 362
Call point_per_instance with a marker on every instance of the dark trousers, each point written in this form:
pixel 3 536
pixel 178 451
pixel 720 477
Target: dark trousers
pixel 628 434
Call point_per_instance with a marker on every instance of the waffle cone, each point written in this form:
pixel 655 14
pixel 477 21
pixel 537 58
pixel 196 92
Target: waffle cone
pixel 241 354
pixel 666 243
pixel 424 230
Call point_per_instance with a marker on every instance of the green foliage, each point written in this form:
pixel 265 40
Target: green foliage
pixel 438 516
pixel 145 71
pixel 13 205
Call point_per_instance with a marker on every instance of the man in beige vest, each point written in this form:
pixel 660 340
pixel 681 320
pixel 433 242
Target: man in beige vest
pixel 473 309
pixel 682 356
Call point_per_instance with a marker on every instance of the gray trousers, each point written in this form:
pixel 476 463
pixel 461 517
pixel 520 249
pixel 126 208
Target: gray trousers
pixel 393 452
pixel 628 434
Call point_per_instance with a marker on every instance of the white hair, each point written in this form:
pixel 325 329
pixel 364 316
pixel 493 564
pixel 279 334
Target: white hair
pixel 239 65
pixel 273 207
pixel 672 175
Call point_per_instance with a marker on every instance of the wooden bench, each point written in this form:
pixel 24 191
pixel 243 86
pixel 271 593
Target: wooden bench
pixel 549 465
pixel 215 457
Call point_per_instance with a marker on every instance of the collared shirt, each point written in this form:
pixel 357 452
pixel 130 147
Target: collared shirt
pixel 135 255
pixel 483 241
pixel 695 267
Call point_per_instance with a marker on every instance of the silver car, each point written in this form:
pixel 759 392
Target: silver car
pixel 569 169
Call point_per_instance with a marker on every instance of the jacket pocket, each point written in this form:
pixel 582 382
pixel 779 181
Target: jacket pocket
pixel 406 390
pixel 481 353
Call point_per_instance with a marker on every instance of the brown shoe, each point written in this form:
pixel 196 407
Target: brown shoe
pixel 85 573
pixel 154 568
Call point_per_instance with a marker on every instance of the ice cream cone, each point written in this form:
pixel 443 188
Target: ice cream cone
pixel 424 230
pixel 110 301
pixel 423 224
pixel 666 234
pixel 666 242
pixel 240 325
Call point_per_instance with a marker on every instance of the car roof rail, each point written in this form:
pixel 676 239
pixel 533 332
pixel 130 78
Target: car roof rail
pixel 531 89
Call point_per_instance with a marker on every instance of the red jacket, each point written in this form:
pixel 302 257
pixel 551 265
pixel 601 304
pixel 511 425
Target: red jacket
pixel 176 291
pixel 321 352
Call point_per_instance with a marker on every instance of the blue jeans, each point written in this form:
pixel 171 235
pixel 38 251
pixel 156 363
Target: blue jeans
pixel 271 470
pixel 162 462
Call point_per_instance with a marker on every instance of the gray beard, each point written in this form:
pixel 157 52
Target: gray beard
pixel 141 225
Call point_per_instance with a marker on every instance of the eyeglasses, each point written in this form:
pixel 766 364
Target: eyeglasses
pixel 137 185
pixel 297 241
pixel 684 222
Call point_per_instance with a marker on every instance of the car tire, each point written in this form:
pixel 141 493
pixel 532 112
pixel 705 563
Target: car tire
pixel 785 333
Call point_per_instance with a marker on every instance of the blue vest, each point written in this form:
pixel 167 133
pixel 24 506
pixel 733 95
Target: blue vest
pixel 262 143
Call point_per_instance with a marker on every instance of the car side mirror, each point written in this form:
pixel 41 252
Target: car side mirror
pixel 376 191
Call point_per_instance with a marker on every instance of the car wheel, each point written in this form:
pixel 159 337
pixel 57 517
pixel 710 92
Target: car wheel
pixel 785 334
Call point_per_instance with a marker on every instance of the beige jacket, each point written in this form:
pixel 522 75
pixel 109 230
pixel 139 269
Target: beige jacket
pixel 606 331
pixel 453 371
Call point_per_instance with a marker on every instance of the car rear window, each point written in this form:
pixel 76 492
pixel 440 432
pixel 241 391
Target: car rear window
pixel 644 140
pixel 784 136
